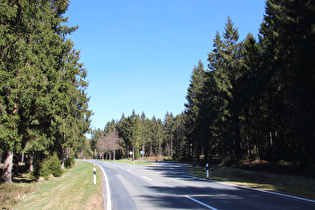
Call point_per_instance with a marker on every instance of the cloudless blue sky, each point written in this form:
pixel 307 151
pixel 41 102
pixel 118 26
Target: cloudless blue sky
pixel 139 54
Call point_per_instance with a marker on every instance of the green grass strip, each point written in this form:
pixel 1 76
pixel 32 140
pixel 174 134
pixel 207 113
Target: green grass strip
pixel 73 190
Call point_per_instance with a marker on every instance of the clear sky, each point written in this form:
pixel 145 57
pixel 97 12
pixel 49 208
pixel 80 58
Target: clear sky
pixel 139 54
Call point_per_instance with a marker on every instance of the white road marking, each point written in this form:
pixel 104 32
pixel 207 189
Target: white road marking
pixel 201 203
pixel 109 201
pixel 147 178
pixel 270 192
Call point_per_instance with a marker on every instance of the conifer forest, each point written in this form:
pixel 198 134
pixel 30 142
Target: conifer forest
pixel 254 99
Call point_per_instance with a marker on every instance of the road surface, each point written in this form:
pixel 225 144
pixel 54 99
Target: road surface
pixel 169 186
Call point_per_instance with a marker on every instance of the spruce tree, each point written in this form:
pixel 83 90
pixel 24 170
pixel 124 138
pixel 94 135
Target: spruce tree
pixel 146 134
pixel 131 132
pixel 179 139
pixel 253 99
pixel 157 136
pixel 193 106
pixel 233 62
pixel 34 56
pixel 287 37
pixel 168 134
pixel 219 110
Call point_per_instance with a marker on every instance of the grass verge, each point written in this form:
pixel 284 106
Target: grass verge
pixel 73 190
pixel 12 194
pixel 286 184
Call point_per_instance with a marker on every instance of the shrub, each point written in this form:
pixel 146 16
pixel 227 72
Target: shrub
pixel 44 169
pixel 50 166
pixel 69 162
pixel 55 167
pixel 36 170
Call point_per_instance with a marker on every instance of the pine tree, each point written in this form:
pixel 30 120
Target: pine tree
pixel 297 44
pixel 253 98
pixel 124 128
pixel 287 38
pixel 193 106
pixel 96 135
pixel 157 136
pixel 34 55
pixel 179 137
pixel 110 126
pixel 146 134
pixel 168 134
pixel 131 133
pixel 24 31
pixel 226 61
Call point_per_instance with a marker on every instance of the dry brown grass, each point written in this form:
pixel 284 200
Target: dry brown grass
pixel 11 194
pixel 73 190
pixel 287 184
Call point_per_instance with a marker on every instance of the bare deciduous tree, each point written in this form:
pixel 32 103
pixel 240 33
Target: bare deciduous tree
pixel 109 143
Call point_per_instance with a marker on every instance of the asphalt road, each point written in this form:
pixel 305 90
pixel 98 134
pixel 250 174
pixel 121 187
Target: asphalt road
pixel 169 186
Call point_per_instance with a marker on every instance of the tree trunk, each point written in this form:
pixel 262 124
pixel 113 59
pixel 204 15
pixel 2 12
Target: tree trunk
pixel 114 158
pixel 63 153
pixel 171 147
pixel 133 152
pixel 67 152
pixel 16 162
pixel 31 161
pixel 127 152
pixel 6 175
pixel 160 149
pixel 63 157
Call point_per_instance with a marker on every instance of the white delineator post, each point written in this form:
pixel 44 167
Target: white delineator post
pixel 94 169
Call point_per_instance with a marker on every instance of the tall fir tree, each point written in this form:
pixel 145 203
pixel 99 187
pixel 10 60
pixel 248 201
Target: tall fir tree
pixel 253 99
pixel 33 49
pixel 221 91
pixel 169 134
pixel 157 136
pixel 233 62
pixel 287 38
pixel 193 106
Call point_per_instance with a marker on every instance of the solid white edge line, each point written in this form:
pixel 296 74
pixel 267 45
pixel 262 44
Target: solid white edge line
pixel 264 191
pixel 201 203
pixel 108 199
pixel 275 193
